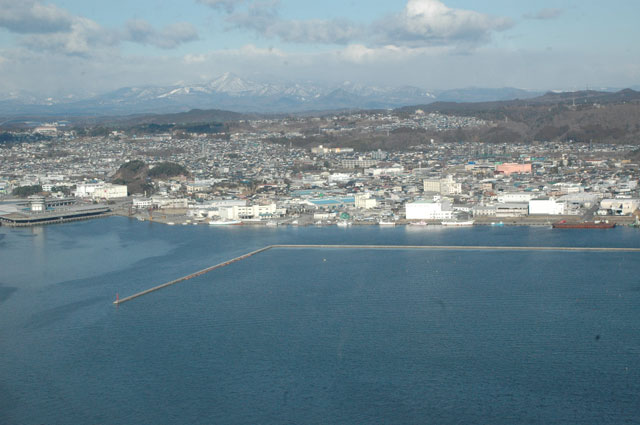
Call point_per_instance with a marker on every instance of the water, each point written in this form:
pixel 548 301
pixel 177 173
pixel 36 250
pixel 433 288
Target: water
pixel 316 336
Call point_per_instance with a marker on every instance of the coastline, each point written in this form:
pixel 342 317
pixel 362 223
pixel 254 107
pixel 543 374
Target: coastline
pixel 179 217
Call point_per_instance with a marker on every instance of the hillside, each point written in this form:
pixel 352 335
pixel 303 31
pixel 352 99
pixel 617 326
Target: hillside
pixel 137 175
pixel 586 116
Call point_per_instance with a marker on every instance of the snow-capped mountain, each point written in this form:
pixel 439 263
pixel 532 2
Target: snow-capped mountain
pixel 229 92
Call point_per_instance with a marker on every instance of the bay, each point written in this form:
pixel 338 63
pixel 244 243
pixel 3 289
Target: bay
pixel 316 336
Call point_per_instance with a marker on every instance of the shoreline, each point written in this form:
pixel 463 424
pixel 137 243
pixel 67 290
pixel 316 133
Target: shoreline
pixel 180 218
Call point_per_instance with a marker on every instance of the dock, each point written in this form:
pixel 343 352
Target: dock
pixel 377 247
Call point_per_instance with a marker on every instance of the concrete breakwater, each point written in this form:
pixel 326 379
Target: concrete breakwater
pixel 376 247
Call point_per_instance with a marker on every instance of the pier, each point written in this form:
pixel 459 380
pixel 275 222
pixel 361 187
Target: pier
pixel 377 247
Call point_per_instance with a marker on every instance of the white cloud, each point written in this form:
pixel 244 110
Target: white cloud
pixel 421 23
pixel 431 22
pixel 84 37
pixel 169 37
pixel 32 16
pixel 45 27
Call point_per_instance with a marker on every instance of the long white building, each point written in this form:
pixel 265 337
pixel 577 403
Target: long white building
pixel 429 210
pixel 251 212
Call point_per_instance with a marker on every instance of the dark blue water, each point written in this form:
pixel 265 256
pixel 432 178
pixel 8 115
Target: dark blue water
pixel 316 336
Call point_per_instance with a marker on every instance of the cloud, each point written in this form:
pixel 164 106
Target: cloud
pixel 421 23
pixel 264 20
pixel 31 16
pixel 44 27
pixel 169 37
pixel 83 38
pixel 226 5
pixel 432 23
pixel 544 14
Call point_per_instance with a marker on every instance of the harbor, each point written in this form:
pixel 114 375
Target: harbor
pixel 119 301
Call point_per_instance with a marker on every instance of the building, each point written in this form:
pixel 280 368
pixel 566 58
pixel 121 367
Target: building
pixel 484 211
pixel 85 190
pixel 142 203
pixel 253 212
pixel 429 210
pixel 512 209
pixel 546 207
pixel 512 168
pixel 618 206
pixel 359 163
pixel 110 191
pixel 365 201
pixel 515 197
pixel 445 186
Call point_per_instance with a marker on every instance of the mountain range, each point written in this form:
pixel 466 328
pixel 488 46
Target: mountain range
pixel 233 93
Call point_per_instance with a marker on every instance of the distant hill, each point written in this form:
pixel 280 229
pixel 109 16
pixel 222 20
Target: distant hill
pixel 582 116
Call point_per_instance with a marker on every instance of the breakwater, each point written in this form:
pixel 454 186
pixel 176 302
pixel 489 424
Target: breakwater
pixel 375 247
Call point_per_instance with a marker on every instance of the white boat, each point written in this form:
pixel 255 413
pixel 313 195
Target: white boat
pixel 170 223
pixel 272 223
pixel 455 223
pixel 419 223
pixel 224 222
pixel 343 223
pixel 386 223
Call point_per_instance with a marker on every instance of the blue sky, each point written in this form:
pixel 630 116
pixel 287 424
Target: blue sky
pixel 91 46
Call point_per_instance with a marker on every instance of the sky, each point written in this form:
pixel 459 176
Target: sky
pixel 83 47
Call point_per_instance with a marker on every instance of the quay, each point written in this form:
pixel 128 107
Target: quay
pixel 376 247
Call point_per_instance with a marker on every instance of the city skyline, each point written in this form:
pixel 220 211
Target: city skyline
pixel 74 47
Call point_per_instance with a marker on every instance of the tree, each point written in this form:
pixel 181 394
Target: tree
pixel 25 191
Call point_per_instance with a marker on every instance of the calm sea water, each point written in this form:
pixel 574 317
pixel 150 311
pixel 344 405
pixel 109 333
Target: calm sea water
pixel 316 336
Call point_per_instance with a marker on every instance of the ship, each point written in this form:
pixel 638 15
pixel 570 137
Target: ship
pixel 454 223
pixel 418 223
pixel 386 223
pixel 564 224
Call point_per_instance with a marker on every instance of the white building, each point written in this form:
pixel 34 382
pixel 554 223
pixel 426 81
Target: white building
pixel 86 190
pixel 512 209
pixel 142 203
pixel 166 202
pixel 251 212
pixel 364 201
pixel 429 210
pixel 619 206
pixel 546 207
pixel 446 186
pixel 110 191
pixel 515 197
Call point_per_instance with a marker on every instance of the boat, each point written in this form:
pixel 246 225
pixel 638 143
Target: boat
pixel 418 223
pixel 386 223
pixel 564 224
pixel 272 223
pixel 170 223
pixel 343 223
pixel 455 223
pixel 224 222
pixel 497 224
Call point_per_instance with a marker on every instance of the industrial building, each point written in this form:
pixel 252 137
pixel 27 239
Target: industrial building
pixel 429 210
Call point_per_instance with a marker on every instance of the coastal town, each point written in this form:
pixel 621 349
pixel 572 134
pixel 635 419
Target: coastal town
pixel 316 171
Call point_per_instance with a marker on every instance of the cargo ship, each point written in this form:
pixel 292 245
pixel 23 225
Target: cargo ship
pixel 585 225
